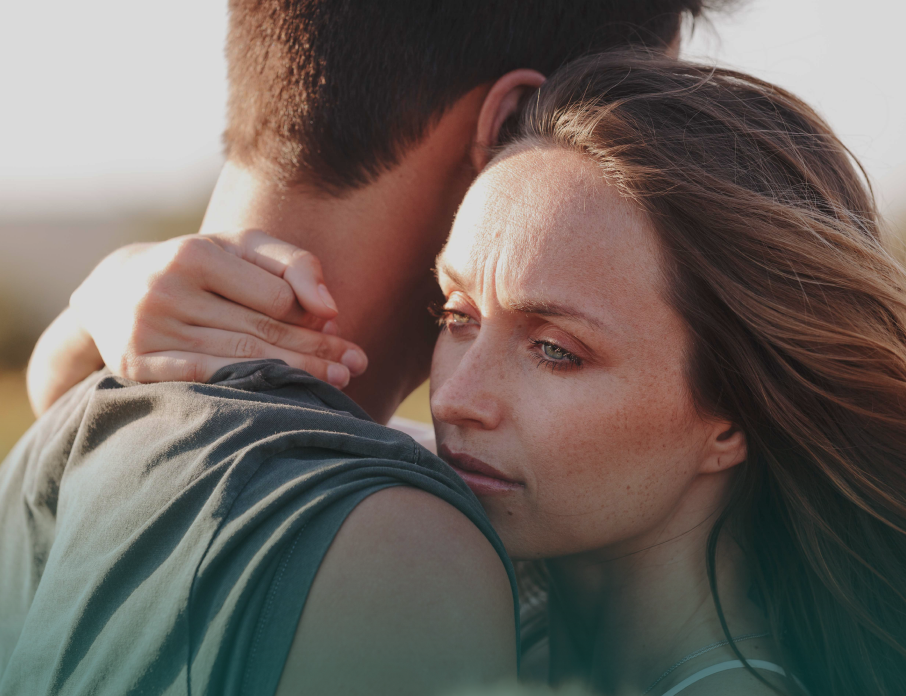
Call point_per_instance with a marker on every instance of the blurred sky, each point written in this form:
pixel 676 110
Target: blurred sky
pixel 110 106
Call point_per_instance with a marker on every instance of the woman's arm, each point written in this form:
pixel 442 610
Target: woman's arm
pixel 182 309
pixel 63 356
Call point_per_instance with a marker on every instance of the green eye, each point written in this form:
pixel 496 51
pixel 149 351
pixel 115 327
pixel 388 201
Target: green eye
pixel 553 352
pixel 554 357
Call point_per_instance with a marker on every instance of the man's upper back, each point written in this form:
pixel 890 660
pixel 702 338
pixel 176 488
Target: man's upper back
pixel 163 538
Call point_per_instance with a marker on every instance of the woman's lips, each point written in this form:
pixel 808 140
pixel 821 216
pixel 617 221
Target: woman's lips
pixel 481 477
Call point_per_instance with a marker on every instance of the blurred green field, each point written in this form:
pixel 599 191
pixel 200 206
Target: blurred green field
pixel 15 414
pixel 416 406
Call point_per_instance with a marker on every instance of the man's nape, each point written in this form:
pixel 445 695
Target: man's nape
pixel 376 245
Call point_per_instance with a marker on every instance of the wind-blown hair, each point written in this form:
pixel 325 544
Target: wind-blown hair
pixel 797 314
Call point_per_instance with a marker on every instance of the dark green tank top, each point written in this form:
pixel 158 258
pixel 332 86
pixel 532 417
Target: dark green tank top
pixel 162 538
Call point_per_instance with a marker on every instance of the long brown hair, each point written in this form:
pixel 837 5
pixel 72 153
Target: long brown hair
pixel 798 317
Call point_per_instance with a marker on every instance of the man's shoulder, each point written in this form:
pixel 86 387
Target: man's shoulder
pixel 410 586
pixel 255 429
pixel 262 404
pixel 214 502
pixel 246 388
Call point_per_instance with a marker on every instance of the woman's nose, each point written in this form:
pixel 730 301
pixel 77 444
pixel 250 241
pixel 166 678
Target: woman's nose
pixel 468 396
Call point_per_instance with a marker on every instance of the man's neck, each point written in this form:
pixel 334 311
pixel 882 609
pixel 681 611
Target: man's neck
pixel 377 247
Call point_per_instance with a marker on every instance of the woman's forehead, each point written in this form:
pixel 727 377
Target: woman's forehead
pixel 544 214
pixel 546 236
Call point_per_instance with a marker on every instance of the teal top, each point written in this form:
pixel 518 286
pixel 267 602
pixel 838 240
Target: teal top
pixel 162 539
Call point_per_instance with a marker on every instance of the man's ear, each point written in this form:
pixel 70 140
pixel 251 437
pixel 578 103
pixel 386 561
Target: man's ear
pixel 501 102
pixel 726 448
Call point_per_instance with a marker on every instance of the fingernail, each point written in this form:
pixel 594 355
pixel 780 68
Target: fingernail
pixel 337 375
pixel 326 297
pixel 331 328
pixel 355 360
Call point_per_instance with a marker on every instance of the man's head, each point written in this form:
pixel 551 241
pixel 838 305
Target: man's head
pixel 331 93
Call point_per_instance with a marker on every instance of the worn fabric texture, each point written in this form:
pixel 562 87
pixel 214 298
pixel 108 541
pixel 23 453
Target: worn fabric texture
pixel 162 539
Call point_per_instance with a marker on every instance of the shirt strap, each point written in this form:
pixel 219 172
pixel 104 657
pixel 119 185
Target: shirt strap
pixel 722 667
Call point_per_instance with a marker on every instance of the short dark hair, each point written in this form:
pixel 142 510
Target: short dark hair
pixel 332 92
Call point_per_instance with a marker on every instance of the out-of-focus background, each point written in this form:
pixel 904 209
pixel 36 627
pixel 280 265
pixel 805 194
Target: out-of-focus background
pixel 112 112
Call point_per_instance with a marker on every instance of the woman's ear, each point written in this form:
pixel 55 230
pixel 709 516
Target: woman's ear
pixel 501 102
pixel 726 448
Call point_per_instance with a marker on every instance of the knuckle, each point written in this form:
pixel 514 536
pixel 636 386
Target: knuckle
pixel 194 371
pixel 307 261
pixel 245 236
pixel 158 286
pixel 311 366
pixel 247 347
pixel 230 242
pixel 269 330
pixel 195 343
pixel 310 321
pixel 189 252
pixel 325 348
pixel 282 301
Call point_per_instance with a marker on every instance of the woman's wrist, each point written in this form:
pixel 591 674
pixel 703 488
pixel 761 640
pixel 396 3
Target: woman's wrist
pixel 64 355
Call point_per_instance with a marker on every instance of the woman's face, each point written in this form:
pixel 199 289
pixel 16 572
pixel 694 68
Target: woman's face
pixel 558 387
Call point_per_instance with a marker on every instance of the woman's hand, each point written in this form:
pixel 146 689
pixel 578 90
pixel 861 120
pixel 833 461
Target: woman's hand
pixel 180 310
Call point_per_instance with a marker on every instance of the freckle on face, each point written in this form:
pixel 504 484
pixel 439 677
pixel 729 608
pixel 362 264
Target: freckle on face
pixel 542 223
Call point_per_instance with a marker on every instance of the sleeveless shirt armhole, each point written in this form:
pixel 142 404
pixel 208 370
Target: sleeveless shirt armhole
pixel 722 667
pixel 277 622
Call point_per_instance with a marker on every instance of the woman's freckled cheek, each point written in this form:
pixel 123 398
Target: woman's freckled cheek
pixel 601 447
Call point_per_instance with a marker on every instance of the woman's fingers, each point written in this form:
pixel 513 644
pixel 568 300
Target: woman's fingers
pixel 249 285
pixel 214 312
pixel 186 307
pixel 183 366
pixel 300 269
pixel 295 344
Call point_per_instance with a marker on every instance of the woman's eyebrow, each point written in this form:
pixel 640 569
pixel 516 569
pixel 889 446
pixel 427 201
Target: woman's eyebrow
pixel 539 307
pixel 554 309
pixel 441 267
